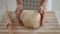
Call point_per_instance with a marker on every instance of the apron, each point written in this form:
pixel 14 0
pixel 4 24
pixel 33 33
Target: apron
pixel 31 4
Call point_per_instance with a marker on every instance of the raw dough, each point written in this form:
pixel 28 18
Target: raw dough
pixel 31 18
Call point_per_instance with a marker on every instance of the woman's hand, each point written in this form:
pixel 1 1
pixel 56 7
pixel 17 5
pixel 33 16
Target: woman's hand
pixel 18 13
pixel 41 11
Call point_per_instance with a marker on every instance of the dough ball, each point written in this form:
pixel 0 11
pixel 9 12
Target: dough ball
pixel 31 18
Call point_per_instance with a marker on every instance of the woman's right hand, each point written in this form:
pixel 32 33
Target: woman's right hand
pixel 41 11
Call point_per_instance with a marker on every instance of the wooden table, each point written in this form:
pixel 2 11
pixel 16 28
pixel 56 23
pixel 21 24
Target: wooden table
pixel 50 26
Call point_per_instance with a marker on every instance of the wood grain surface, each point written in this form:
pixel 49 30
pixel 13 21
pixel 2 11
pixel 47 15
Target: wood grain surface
pixel 50 25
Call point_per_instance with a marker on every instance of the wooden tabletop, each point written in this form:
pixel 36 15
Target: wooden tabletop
pixel 50 24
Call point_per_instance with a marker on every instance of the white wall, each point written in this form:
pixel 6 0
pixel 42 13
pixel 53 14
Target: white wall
pixel 55 4
pixel 49 4
pixel 11 4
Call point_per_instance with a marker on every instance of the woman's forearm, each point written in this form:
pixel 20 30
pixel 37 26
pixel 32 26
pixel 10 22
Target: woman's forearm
pixel 19 2
pixel 43 3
